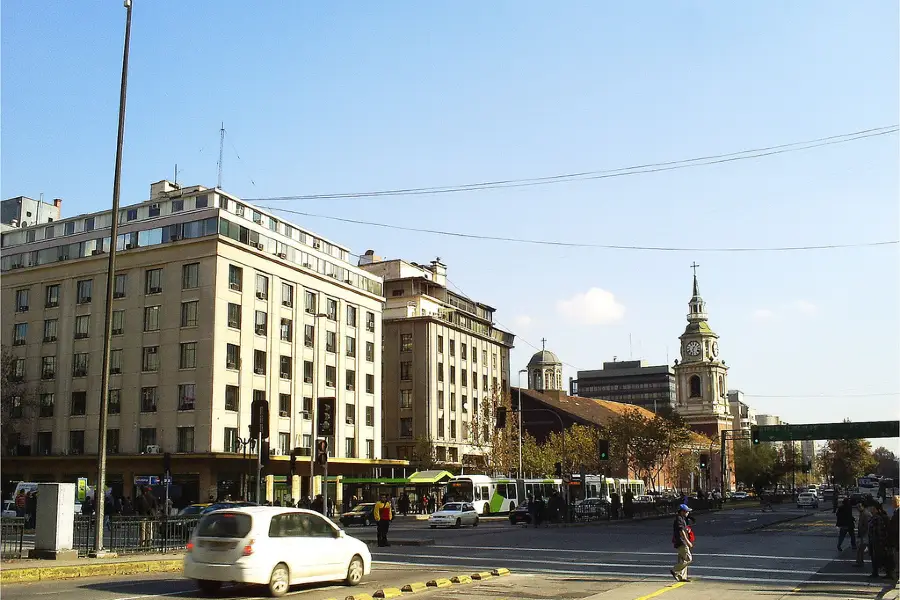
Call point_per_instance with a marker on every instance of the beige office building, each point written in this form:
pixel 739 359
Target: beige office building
pixel 216 304
pixel 445 365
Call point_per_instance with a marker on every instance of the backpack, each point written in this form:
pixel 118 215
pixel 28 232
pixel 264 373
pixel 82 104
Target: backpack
pixel 690 532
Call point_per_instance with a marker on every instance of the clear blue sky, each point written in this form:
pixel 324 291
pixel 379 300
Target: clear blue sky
pixel 335 97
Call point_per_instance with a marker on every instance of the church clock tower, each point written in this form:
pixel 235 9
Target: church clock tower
pixel 701 378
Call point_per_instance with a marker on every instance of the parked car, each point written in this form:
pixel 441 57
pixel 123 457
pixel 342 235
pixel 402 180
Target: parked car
pixel 9 508
pixel 807 500
pixel 362 514
pixel 520 514
pixel 192 509
pixel 454 514
pixel 740 496
pixel 592 508
pixel 273 546
pixel 645 499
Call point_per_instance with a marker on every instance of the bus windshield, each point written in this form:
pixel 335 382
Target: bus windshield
pixel 460 491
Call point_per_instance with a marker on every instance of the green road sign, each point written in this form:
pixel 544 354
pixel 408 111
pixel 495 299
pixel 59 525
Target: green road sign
pixel 828 431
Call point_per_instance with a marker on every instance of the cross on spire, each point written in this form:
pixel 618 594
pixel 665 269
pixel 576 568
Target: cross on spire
pixel 694 266
pixel 543 343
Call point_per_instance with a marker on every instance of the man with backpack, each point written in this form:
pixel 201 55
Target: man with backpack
pixel 683 540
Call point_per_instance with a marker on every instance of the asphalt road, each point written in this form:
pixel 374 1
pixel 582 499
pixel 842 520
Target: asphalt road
pixel 618 561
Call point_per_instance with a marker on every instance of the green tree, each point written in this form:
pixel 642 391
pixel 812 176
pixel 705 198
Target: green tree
pixel 755 464
pixel 18 402
pixel 887 464
pixel 498 446
pixel 846 460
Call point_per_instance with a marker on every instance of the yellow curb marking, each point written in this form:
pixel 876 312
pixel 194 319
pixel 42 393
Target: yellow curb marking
pixel 359 597
pixel 442 582
pixel 668 588
pixel 32 574
pixel 500 572
pixel 481 576
pixel 417 586
pixel 461 579
pixel 390 592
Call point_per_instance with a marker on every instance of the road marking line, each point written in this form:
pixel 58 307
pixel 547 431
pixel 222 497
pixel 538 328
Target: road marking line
pixel 659 592
pixel 567 550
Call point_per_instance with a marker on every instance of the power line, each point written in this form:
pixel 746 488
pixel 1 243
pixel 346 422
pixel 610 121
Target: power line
pixel 496 238
pixel 604 174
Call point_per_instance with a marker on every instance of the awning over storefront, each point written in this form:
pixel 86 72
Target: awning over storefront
pixel 429 477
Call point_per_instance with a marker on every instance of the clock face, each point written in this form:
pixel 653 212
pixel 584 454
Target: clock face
pixel 715 349
pixel 693 348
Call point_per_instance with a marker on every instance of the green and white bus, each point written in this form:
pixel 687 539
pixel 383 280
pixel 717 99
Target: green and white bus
pixel 597 486
pixel 499 494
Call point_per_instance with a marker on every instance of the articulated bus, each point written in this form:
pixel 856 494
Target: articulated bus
pixel 597 486
pixel 499 494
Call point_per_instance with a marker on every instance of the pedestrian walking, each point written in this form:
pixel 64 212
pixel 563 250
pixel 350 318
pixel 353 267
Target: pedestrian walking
pixel 894 538
pixel 383 517
pixel 862 532
pixel 878 542
pixel 846 523
pixel 682 539
pixel 21 500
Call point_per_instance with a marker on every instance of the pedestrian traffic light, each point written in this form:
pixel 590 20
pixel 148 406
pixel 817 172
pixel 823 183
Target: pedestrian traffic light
pixel 557 469
pixel 704 461
pixel 754 434
pixel 259 415
pixel 603 449
pixel 501 417
pixel 167 463
pixel 293 465
pixel 322 452
pixel 264 453
pixel 325 416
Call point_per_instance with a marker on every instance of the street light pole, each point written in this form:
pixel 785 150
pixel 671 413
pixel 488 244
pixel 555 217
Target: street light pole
pixel 520 421
pixel 315 397
pixel 100 489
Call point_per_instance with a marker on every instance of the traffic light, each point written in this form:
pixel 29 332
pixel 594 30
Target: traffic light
pixel 259 414
pixel 167 464
pixel 325 416
pixel 704 461
pixel 603 449
pixel 264 453
pixel 557 469
pixel 501 417
pixel 293 465
pixel 322 452
pixel 754 435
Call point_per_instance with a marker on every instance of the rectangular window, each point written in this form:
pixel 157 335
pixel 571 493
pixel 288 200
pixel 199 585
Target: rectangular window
pixel 83 291
pixel 330 376
pixel 259 362
pixel 231 397
pixel 307 407
pixel 474 354
pixel 185 439
pixel 287 295
pixel 189 313
pixel 370 321
pixel 89 224
pixel 76 441
pixel 149 397
pixel 370 383
pixel 147 437
pixel 440 371
pixel 370 351
pixel 21 300
pixel 230 438
pixel 494 360
pixel 188 356
pixel 405 398
pixel 114 402
pixel 405 371
pixel 50 330
pixel 370 448
pixel 118 322
pixel 115 361
pixel 262 287
pixel 202 201
pixel 18 370
pixel 190 276
pixel 330 341
pixel 48 367
pixel 232 356
pixel 350 380
pixel 452 347
pixel 484 382
pixel 46 406
pixel 284 368
pixel 452 374
pixel 351 346
pixel 186 396
pixel 349 414
pixel 370 416
pixel 284 405
pixel 440 344
pixel 287 330
pixel 406 428
pixel 178 206
pixel 332 309
pixel 307 372
pixel 310 302
pixel 351 316
pixel 20 333
pixel 80 364
pixel 441 428
pixel 350 448
pixel 406 342
pixel 52 297
pixel 453 401
pixel 44 443
pixel 462 352
pixel 235 278
pixel 153 210
pixel 153 281
pixel 260 323
pixel 150 359
pixel 484 357
pixel 464 378
pixel 234 315
pixel 131 215
pixel 309 336
pixel 284 443
pixel 79 403
pixel 452 429
pixel 440 399
pixel 307 442
pixel 151 318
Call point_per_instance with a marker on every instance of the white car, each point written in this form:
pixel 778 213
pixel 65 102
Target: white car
pixel 806 499
pixel 740 496
pixel 454 514
pixel 272 546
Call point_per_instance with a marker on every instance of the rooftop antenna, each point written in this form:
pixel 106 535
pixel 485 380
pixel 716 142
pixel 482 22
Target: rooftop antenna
pixel 221 150
pixel 177 171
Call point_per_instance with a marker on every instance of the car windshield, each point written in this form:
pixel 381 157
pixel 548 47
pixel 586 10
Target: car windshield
pixel 224 525
pixel 455 507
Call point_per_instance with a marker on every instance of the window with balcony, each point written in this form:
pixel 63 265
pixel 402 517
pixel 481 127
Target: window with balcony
pixel 330 341
pixel 350 380
pixel 284 367
pixel 231 397
pixel 114 402
pixel 351 316
pixel 82 327
pixel 262 287
pixel 307 372
pixel 351 346
pixel 370 351
pixel 189 312
pixel 50 327
pixel 186 396
pixel 406 342
pixel 153 281
pixel 232 356
pixel 188 358
pixel 405 398
pixel 287 295
pixel 259 362
pixel 149 399
pixel 150 359
pixel 190 276
pixel 151 318
pixel 235 278
pixel 405 371
pixel 79 403
pixel 370 321
pixel 80 364
pixel 51 299
pixel 330 376
pixel 21 300
pixel 370 383
pixel 47 401
pixel 260 323
pixel 185 439
pixel 20 333
pixel 284 405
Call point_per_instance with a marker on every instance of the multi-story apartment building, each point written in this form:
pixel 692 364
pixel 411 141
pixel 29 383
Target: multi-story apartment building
pixel 23 211
pixel 445 364
pixel 629 381
pixel 744 416
pixel 216 303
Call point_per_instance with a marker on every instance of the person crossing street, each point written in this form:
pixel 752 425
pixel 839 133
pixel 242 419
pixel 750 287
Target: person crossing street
pixel 383 517
pixel 681 539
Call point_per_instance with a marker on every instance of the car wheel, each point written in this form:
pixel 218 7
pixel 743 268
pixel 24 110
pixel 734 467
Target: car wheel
pixel 208 586
pixel 458 523
pixel 355 571
pixel 475 524
pixel 279 581
pixel 367 522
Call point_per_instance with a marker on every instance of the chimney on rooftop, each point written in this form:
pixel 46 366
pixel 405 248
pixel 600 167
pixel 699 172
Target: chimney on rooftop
pixel 57 202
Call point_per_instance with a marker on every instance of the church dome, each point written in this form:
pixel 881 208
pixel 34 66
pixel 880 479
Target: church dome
pixel 544 357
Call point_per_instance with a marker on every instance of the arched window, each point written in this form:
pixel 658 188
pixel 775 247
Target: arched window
pixel 721 386
pixel 695 386
pixel 538 380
